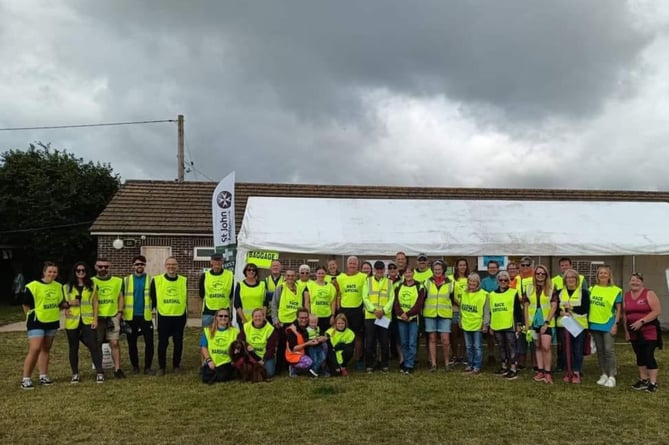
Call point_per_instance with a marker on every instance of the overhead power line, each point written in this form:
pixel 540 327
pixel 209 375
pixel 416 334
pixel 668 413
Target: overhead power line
pixel 107 124
pixel 35 229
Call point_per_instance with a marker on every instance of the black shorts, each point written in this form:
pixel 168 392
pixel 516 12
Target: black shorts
pixel 355 317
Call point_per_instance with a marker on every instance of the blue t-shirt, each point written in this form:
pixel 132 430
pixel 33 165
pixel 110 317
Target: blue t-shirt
pixel 138 295
pixel 606 327
pixel 489 283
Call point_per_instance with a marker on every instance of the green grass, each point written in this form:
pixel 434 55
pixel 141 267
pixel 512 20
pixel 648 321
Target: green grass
pixel 11 314
pixel 425 408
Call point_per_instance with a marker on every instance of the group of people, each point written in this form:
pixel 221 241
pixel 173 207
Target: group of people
pixel 289 321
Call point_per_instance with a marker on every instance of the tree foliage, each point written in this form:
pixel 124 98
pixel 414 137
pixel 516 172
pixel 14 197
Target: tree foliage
pixel 48 200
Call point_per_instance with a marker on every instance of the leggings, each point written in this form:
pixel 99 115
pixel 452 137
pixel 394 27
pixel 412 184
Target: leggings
pixel 88 337
pixel 645 353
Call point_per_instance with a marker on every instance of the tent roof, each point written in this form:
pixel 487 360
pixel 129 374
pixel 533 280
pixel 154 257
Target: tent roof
pixel 454 227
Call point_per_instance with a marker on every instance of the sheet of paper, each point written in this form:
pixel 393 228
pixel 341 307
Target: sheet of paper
pixel 384 322
pixel 572 326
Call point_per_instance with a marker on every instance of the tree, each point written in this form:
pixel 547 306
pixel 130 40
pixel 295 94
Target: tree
pixel 48 200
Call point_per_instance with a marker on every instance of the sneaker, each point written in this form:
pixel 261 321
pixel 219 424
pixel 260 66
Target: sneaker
pixel 476 372
pixel 119 374
pixel 501 371
pixel 46 381
pixel 27 383
pixel 344 372
pixel 603 379
pixel 100 378
pixel 433 368
pixel 369 370
pixel 384 369
pixel 641 385
pixel 548 379
pixel 468 370
pixel 610 382
pixel 576 379
pixel 75 379
pixel 652 387
pixel 292 372
pixel 452 361
pixel 567 378
pixel 511 375
pixel 313 373
pixel 539 377
pixel 408 371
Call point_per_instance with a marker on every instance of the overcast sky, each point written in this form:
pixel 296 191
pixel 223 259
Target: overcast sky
pixel 514 93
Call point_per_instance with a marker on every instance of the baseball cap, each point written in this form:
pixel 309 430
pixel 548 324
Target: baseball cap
pixel 421 255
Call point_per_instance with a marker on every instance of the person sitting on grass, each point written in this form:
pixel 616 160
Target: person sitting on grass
pixel 215 348
pixel 340 346
pixel 318 352
pixel 297 342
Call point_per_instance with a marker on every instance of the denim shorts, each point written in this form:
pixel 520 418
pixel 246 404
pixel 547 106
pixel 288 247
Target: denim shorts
pixel 35 333
pixel 437 324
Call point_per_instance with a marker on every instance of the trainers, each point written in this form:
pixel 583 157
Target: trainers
pixel 75 379
pixel 433 368
pixel 641 385
pixel 548 379
pixel 344 372
pixel 602 379
pixel 119 374
pixel 46 381
pixel 313 373
pixel 468 370
pixel 501 371
pixel 576 379
pixel 452 361
pixel 27 383
pixel 292 372
pixel 539 377
pixel 100 378
pixel 384 369
pixel 369 370
pixel 652 387
pixel 511 375
pixel 610 382
pixel 567 378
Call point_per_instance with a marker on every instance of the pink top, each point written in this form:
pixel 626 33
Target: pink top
pixel 637 309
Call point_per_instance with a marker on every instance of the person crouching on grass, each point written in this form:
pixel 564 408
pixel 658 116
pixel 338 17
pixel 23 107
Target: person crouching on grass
pixel 297 342
pixel 341 341
pixel 215 348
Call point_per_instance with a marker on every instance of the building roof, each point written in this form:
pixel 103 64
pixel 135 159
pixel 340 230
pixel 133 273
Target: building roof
pixel 142 206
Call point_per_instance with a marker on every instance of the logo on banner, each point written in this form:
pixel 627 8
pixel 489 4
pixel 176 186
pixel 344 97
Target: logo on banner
pixel 224 199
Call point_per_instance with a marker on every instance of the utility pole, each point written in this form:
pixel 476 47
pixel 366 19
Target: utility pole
pixel 180 148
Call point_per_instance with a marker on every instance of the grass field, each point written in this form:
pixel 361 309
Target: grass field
pixel 10 314
pixel 424 408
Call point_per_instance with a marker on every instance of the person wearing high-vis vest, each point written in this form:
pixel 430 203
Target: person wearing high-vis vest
pixel 460 274
pixel 261 336
pixel 378 296
pixel 351 285
pixel 475 321
pixel 438 312
pixel 138 313
pixel 272 281
pixel 285 304
pixel 574 303
pixel 215 348
pixel 606 301
pixel 422 271
pixel 215 289
pixel 557 281
pixel 42 302
pixel 110 310
pixel 520 281
pixel 322 300
pixel 303 281
pixel 540 307
pixel 340 346
pixel 332 271
pixel 81 320
pixel 249 294
pixel 169 295
pixel 506 319
pixel 409 298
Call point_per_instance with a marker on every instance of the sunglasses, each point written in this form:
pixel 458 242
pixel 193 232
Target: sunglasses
pixel 304 273
pixel 540 273
pixel 222 316
pixel 102 267
pixel 392 267
pixel 502 280
pixel 139 264
pixel 252 270
pixel 81 270
pixel 525 265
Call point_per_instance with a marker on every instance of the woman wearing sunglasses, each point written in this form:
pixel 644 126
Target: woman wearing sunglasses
pixel 250 294
pixel 81 320
pixel 215 348
pixel 540 306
